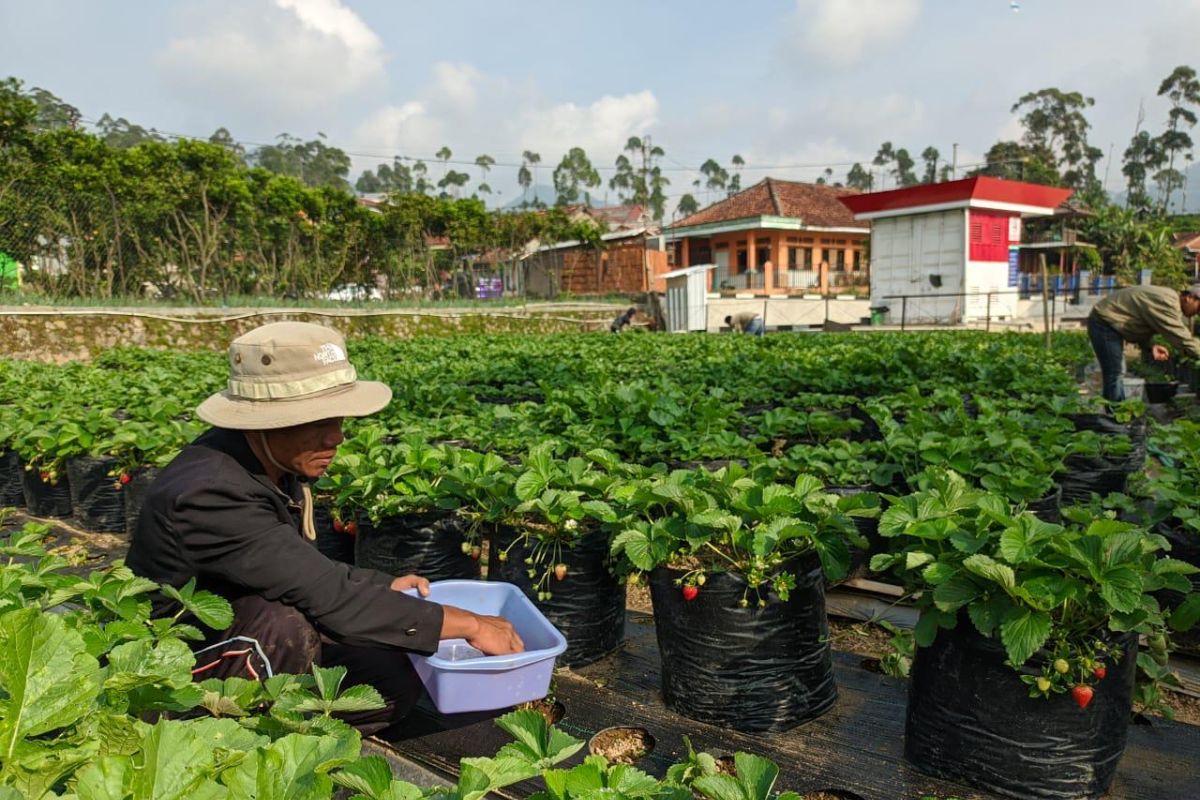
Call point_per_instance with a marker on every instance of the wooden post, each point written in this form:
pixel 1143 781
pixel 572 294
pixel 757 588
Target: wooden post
pixel 1045 297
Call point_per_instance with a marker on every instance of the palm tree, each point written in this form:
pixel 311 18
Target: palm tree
pixel 528 159
pixel 443 155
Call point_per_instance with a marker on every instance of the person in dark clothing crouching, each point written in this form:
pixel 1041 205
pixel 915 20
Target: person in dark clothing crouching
pixel 234 511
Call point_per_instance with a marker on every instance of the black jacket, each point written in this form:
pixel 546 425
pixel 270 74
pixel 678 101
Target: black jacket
pixel 213 514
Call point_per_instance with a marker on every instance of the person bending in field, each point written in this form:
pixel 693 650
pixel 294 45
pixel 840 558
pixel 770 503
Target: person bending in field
pixel 621 321
pixel 234 511
pixel 1136 314
pixel 748 322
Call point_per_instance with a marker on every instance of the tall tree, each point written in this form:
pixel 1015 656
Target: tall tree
pixel 314 162
pixel 859 178
pixel 485 163
pixel 1142 159
pixel 121 133
pixel 451 182
pixel 930 156
pixel 716 177
pixel 525 177
pixel 1016 162
pixel 53 113
pixel 225 139
pixel 735 180
pixel 420 171
pixel 1182 88
pixel 1056 132
pixel 639 178
pixel 444 155
pixel 573 176
pixel 687 206
pixel 883 157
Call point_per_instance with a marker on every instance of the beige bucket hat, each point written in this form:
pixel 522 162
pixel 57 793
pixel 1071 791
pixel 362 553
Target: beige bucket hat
pixel 290 373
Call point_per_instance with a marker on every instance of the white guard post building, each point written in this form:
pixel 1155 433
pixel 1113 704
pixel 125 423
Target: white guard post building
pixel 946 253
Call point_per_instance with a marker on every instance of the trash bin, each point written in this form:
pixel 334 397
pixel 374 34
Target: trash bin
pixel 877 314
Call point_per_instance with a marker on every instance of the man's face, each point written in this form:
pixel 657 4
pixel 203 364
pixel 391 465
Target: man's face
pixel 1190 304
pixel 307 449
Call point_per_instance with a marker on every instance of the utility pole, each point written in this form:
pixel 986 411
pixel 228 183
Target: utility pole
pixel 954 164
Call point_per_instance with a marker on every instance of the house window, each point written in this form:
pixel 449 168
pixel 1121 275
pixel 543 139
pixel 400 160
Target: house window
pixel 857 260
pixel 763 256
pixel 800 258
pixel 742 263
pixel 836 259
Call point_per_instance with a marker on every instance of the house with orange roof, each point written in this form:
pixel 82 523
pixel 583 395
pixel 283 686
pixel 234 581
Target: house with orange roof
pixel 776 238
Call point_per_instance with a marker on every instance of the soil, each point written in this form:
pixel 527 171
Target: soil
pixel 622 745
pixel 832 794
pixel 551 710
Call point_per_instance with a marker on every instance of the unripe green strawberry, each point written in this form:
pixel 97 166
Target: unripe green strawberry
pixel 1061 666
pixel 1043 684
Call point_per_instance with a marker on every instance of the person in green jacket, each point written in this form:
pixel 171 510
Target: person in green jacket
pixel 1135 314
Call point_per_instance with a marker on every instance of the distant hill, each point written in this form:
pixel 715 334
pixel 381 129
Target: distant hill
pixel 546 194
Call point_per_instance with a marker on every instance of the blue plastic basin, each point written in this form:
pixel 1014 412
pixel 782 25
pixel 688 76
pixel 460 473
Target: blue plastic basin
pixel 460 678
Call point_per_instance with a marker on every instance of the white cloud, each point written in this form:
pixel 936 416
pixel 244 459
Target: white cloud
pixel 276 56
pixel 472 112
pixel 601 127
pixel 841 32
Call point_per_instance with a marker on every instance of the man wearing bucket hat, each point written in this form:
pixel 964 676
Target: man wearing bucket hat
pixel 234 511
pixel 1135 314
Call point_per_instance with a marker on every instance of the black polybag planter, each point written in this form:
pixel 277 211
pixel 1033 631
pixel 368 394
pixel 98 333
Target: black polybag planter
pixel 752 669
pixel 970 719
pixel 44 499
pixel 1048 508
pixel 11 470
pixel 332 544
pixel 588 608
pixel 135 496
pixel 1086 475
pixel 1185 546
pixel 428 544
pixel 99 505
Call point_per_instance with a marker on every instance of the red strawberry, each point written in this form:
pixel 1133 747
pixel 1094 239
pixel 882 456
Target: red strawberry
pixel 45 476
pixel 476 552
pixel 560 571
pixel 352 528
pixel 1100 672
pixel 690 592
pixel 125 478
pixel 1082 695
pixel 338 526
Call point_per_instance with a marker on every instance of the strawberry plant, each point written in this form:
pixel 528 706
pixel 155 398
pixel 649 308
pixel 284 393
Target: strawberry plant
pixel 725 521
pixel 1066 590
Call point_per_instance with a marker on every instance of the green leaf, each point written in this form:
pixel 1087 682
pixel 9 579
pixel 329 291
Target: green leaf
pixel 992 570
pixel 600 510
pixel 1185 616
pixel 47 680
pixel 174 763
pixel 1121 588
pixel 143 662
pixel 756 775
pixel 636 546
pixel 104 779
pixel 916 558
pixel 955 593
pixel 987 613
pixel 1023 632
pixel 529 485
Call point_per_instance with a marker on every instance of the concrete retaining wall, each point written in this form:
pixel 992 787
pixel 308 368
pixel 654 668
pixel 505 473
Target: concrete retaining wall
pixel 78 333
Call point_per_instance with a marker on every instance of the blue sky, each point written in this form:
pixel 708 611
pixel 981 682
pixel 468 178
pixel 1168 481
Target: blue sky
pixel 791 85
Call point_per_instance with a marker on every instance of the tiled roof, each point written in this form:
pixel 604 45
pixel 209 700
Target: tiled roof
pixel 815 204
pixel 1186 240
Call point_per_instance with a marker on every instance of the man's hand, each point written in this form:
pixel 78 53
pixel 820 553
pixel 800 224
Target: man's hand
pixel 411 581
pixel 1160 353
pixel 493 636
